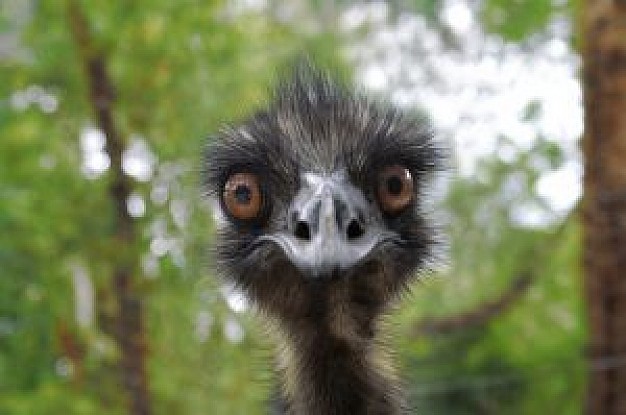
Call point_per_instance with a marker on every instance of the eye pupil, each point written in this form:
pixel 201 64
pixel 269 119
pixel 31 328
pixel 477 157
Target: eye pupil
pixel 243 194
pixel 394 185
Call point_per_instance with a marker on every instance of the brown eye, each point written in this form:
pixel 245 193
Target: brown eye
pixel 395 188
pixel 242 196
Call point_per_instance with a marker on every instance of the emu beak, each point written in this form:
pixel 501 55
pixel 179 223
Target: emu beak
pixel 331 227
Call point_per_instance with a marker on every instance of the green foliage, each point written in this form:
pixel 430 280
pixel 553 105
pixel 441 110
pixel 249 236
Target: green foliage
pixel 515 20
pixel 179 70
pixel 427 8
pixel 518 20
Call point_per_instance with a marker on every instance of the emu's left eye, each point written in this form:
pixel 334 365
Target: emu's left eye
pixel 394 189
pixel 242 196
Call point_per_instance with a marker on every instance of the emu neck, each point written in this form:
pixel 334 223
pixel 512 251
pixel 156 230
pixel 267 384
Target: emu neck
pixel 332 365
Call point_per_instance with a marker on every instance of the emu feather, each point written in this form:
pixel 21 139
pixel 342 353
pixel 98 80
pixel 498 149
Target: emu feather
pixel 338 233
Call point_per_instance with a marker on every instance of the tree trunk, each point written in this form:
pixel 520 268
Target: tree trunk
pixel 128 327
pixel 604 207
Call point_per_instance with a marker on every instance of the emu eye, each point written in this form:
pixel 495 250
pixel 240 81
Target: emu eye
pixel 395 188
pixel 242 196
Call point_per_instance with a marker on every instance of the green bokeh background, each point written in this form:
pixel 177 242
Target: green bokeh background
pixel 181 69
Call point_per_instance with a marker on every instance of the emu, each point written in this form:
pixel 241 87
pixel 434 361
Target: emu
pixel 321 197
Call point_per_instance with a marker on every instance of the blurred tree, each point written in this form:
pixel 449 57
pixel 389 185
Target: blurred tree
pixel 128 321
pixel 604 215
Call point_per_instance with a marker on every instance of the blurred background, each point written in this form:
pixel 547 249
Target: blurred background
pixel 108 302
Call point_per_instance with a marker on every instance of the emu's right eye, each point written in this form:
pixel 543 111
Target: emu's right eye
pixel 242 196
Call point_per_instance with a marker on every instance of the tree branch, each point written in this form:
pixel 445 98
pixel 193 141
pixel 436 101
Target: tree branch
pixel 479 316
pixel 488 310
pixel 129 331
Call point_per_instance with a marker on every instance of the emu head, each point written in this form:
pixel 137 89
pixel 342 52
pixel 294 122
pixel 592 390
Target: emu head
pixel 321 201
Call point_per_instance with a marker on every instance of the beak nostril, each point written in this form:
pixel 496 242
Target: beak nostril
pixel 355 230
pixel 302 230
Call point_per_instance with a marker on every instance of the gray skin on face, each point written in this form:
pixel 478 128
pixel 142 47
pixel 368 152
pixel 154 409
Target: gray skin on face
pixel 330 227
pixel 323 258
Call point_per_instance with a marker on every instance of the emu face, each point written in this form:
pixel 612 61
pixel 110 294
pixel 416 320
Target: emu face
pixel 321 200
